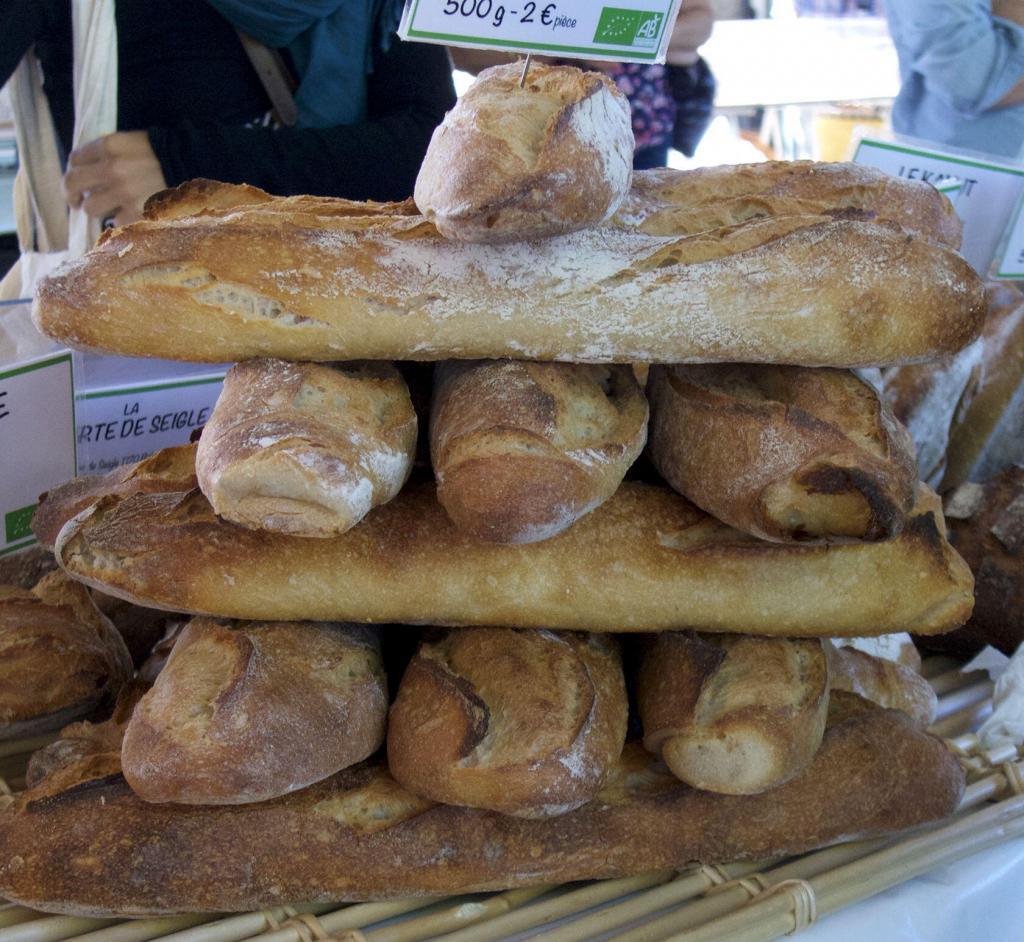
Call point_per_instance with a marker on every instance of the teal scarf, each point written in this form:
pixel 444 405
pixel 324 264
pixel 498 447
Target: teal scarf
pixel 331 43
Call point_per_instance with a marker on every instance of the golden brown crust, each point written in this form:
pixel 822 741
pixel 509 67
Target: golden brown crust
pixel 674 202
pixel 522 450
pixel 796 453
pixel 305 285
pixel 516 160
pixel 986 524
pixel 527 723
pixel 246 712
pixel 735 715
pixel 59 657
pixel 646 560
pixel 359 835
pixel 306 448
pixel 884 682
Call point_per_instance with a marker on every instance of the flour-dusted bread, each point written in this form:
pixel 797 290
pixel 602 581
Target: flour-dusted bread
pixel 246 712
pixel 310 280
pixel 645 560
pixel 735 715
pixel 59 657
pixel 884 682
pixel 679 202
pixel 306 448
pixel 528 723
pixel 783 453
pixel 966 412
pixel 512 161
pixel 360 835
pixel 522 450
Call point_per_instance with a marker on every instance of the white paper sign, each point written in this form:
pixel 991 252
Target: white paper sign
pixel 1011 264
pixel 37 440
pixel 122 425
pixel 619 30
pixel 984 191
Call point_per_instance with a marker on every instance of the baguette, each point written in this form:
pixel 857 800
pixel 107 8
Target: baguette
pixel 306 448
pixel 783 453
pixel 252 281
pixel 247 712
pixel 359 835
pixel 645 560
pixel 525 157
pixel 735 715
pixel 59 657
pixel 885 683
pixel 673 202
pixel 525 723
pixel 522 450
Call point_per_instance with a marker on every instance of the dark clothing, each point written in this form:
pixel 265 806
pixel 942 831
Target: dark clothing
pixel 184 77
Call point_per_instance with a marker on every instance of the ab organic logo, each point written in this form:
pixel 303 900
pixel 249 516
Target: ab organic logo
pixel 619 27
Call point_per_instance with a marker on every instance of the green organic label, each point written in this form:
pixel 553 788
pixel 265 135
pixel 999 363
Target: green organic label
pixel 17 524
pixel 619 27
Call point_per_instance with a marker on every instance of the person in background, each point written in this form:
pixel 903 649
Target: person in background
pixel 190 103
pixel 962 72
pixel 671 104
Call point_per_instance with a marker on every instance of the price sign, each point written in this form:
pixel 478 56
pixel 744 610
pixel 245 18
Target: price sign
pixel 983 190
pixel 37 441
pixel 622 30
pixel 1011 264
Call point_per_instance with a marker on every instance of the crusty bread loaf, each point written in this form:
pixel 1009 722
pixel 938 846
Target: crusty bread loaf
pixel 246 712
pixel 884 682
pixel 524 160
pixel 26 567
pixel 735 715
pixel 59 657
pixel 966 412
pixel 254 281
pixel 674 202
pixel 527 723
pixel 306 448
pixel 986 524
pixel 898 647
pixel 645 560
pixel 782 452
pixel 170 469
pixel 359 835
pixel 522 450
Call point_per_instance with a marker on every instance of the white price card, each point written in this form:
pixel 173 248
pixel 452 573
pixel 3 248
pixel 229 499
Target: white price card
pixel 1011 263
pixel 619 30
pixel 120 425
pixel 983 190
pixel 37 440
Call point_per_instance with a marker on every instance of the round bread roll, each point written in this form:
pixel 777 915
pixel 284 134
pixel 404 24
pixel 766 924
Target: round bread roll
pixel 522 450
pixel 248 711
pixel 511 162
pixel 527 723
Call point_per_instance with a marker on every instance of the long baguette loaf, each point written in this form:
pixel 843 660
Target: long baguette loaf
pixel 246 712
pixel 673 202
pixel 528 723
pixel 645 560
pixel 736 715
pixel 885 683
pixel 97 849
pixel 797 453
pixel 306 448
pixel 522 450
pixel 252 281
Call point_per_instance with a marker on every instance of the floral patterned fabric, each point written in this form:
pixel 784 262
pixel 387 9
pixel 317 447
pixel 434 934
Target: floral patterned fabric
pixel 650 97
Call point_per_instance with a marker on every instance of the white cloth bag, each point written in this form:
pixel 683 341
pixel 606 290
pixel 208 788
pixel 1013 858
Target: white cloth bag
pixel 48 233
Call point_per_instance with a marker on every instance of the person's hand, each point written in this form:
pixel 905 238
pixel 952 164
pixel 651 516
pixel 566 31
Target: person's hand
pixel 112 177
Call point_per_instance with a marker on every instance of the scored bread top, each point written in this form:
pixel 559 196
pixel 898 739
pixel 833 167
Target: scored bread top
pixel 511 162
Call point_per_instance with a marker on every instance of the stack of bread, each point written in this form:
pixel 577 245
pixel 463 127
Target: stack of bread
pixel 610 675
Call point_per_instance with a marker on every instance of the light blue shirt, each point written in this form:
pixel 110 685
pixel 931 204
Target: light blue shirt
pixel 956 61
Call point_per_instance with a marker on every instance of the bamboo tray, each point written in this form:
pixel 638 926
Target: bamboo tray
pixel 743 902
